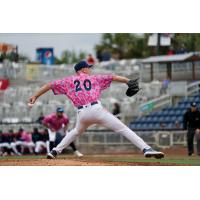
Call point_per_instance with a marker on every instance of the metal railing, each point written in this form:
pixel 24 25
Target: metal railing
pixel 166 100
pixel 193 88
pixel 156 104
pixel 102 137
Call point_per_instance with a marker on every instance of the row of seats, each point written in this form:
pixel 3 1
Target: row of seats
pixel 169 113
pixel 156 126
pixel 160 119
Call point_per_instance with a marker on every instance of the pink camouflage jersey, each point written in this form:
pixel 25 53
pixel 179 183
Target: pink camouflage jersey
pixel 82 89
pixel 54 122
pixel 26 137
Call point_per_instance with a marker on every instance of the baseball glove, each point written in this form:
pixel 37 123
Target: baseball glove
pixel 133 88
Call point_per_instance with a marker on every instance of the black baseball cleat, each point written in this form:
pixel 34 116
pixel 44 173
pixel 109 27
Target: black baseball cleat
pixel 52 154
pixel 148 153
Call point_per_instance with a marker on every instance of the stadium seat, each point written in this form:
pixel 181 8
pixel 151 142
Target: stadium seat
pixel 157 126
pixel 165 112
pixel 171 112
pixel 180 119
pixel 178 112
pixel 150 126
pixel 170 126
pixel 167 119
pixel 154 119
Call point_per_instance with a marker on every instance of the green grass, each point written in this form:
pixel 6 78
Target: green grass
pixel 28 157
pixel 170 161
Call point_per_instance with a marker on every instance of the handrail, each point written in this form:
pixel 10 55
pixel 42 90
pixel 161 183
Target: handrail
pixel 156 103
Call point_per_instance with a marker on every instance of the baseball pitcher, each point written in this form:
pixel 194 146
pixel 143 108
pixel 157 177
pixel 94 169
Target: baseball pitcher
pixel 84 90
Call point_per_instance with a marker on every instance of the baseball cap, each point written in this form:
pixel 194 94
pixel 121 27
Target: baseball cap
pixel 193 104
pixel 59 109
pixel 81 64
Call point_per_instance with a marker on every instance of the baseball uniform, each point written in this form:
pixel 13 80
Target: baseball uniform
pixel 84 91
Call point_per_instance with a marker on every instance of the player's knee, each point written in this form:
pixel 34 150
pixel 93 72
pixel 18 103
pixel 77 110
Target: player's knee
pixel 12 144
pixel 77 132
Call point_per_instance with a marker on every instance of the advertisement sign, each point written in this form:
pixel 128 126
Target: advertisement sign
pixel 31 72
pixel 45 56
pixel 4 84
pixel 147 107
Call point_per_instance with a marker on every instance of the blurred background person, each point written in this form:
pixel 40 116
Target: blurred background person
pixel 191 123
pixel 55 122
pixel 40 118
pixel 4 144
pixel 177 124
pixel 24 140
pixel 165 85
pixel 42 142
pixel 116 110
pixel 90 60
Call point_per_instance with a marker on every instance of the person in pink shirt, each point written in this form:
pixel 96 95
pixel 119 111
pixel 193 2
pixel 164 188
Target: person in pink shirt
pixel 57 124
pixel 84 90
pixel 24 140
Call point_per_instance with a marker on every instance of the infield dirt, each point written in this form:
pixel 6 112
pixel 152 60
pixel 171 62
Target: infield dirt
pixel 174 157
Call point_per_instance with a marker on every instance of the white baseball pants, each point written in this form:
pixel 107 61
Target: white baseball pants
pixel 5 144
pixel 22 144
pixel 96 114
pixel 52 135
pixel 40 144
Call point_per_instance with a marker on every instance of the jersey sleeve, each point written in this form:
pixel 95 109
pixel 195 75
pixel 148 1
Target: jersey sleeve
pixel 46 120
pixel 104 81
pixel 59 86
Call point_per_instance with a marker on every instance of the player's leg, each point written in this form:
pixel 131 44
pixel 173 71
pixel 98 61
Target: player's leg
pixel 47 147
pixel 52 138
pixel 30 146
pixel 109 121
pixel 59 138
pixel 13 146
pixel 69 138
pixel 76 152
pixel 39 145
pixel 4 148
pixel 5 144
pixel 80 127
pixel 190 141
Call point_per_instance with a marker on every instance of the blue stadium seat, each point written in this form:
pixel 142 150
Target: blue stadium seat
pixel 182 106
pixel 156 126
pixel 170 126
pixel 158 113
pixel 167 119
pixel 165 112
pixel 150 126
pixel 143 126
pixel 180 119
pixel 196 99
pixel 178 112
pixel 176 107
pixel 154 119
pixel 149 119
pixel 142 119
pixel 172 112
pixel 137 120
pixel 173 119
